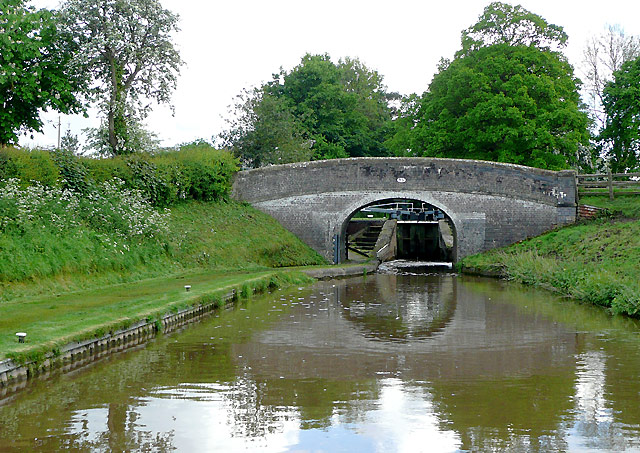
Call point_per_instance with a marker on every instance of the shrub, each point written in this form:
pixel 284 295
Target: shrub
pixel 28 166
pixel 72 171
pixel 101 170
pixel 196 171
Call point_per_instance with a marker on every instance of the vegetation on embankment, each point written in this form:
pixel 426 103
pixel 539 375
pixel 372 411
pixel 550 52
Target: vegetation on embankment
pixel 594 261
pixel 58 236
pixel 216 236
pixel 91 245
pixel 627 206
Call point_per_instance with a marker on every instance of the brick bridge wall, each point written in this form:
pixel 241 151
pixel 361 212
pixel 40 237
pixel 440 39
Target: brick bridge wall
pixel 490 204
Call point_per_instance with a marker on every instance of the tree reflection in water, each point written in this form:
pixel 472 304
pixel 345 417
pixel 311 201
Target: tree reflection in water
pixel 399 363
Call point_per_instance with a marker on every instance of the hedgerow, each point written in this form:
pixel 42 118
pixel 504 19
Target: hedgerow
pixel 194 172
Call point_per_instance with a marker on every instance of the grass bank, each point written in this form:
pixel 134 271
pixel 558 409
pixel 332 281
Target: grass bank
pixel 66 284
pixel 213 236
pixel 52 321
pixel 595 261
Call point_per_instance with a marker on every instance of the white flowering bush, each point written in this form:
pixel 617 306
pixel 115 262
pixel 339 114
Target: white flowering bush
pixel 110 209
pixel 48 230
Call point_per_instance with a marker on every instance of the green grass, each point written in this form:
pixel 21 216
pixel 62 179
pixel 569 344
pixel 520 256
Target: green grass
pixel 597 262
pixel 54 320
pixel 68 289
pixel 213 236
pixel 623 205
pixel 234 235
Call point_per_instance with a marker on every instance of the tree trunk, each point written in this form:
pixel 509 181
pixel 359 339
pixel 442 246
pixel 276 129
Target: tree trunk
pixel 113 140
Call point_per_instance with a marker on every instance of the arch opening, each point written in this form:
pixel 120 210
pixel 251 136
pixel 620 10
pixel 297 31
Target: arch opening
pixel 399 228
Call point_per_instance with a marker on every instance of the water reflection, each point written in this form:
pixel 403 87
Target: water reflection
pixel 390 312
pixel 386 363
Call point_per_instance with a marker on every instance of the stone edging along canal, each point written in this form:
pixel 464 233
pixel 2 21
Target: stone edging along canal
pixel 14 376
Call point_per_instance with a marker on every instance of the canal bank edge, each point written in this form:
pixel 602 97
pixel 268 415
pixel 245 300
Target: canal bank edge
pixel 14 376
pixel 341 271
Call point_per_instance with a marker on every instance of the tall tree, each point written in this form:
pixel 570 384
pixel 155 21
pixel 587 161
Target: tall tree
pixel 620 137
pixel 126 47
pixel 322 109
pixel 603 55
pixel 501 23
pixel 504 103
pixel 34 70
pixel 507 96
pixel 264 131
pixel 399 137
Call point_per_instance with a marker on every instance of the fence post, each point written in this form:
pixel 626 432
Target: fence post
pixel 610 178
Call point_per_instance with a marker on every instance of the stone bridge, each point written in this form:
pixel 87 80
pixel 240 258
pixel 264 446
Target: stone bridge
pixel 489 204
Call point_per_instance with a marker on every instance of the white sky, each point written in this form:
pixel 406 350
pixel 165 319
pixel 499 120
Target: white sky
pixel 233 44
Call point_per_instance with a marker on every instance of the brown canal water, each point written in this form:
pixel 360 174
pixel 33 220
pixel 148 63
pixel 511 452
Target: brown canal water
pixel 386 363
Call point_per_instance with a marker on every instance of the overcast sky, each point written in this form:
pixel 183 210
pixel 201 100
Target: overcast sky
pixel 233 44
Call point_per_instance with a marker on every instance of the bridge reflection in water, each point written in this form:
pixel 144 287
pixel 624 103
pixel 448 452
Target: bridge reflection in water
pixel 383 363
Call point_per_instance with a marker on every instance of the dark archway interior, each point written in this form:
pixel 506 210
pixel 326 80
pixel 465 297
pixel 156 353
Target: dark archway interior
pixel 422 231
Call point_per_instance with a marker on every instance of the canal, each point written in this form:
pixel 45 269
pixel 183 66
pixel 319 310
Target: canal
pixel 396 362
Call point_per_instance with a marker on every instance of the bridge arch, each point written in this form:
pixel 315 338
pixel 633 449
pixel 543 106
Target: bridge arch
pixel 490 204
pixel 372 199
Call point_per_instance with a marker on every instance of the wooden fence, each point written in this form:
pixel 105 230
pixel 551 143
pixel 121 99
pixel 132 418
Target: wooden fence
pixel 611 183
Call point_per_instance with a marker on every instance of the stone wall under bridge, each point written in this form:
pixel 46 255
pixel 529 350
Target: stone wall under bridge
pixel 489 204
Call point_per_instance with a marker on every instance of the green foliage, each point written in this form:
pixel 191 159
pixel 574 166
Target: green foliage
pixel 604 55
pixel 53 240
pixel 73 172
pixel 70 143
pixel 130 62
pixel 317 110
pixel 595 262
pixel 208 172
pixel 130 135
pixel 399 137
pixel 28 166
pixel 47 231
pixel 623 205
pixel 501 23
pixel 166 178
pixel 270 135
pixel 194 172
pixel 620 137
pixel 503 103
pixel 34 69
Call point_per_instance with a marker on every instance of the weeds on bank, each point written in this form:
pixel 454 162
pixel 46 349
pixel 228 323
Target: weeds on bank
pixel 48 230
pixel 595 262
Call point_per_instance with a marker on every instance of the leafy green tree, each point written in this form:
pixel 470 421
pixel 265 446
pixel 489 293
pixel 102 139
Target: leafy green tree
pixel 265 132
pixel 503 103
pixel 502 23
pixel 34 70
pixel 604 55
pixel 318 110
pixel 399 137
pixel 620 138
pixel 507 96
pixel 126 47
pixel 342 107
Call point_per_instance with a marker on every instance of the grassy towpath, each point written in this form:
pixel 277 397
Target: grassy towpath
pixel 596 261
pixel 55 320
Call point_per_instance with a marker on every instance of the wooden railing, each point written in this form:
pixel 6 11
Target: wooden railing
pixel 611 183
